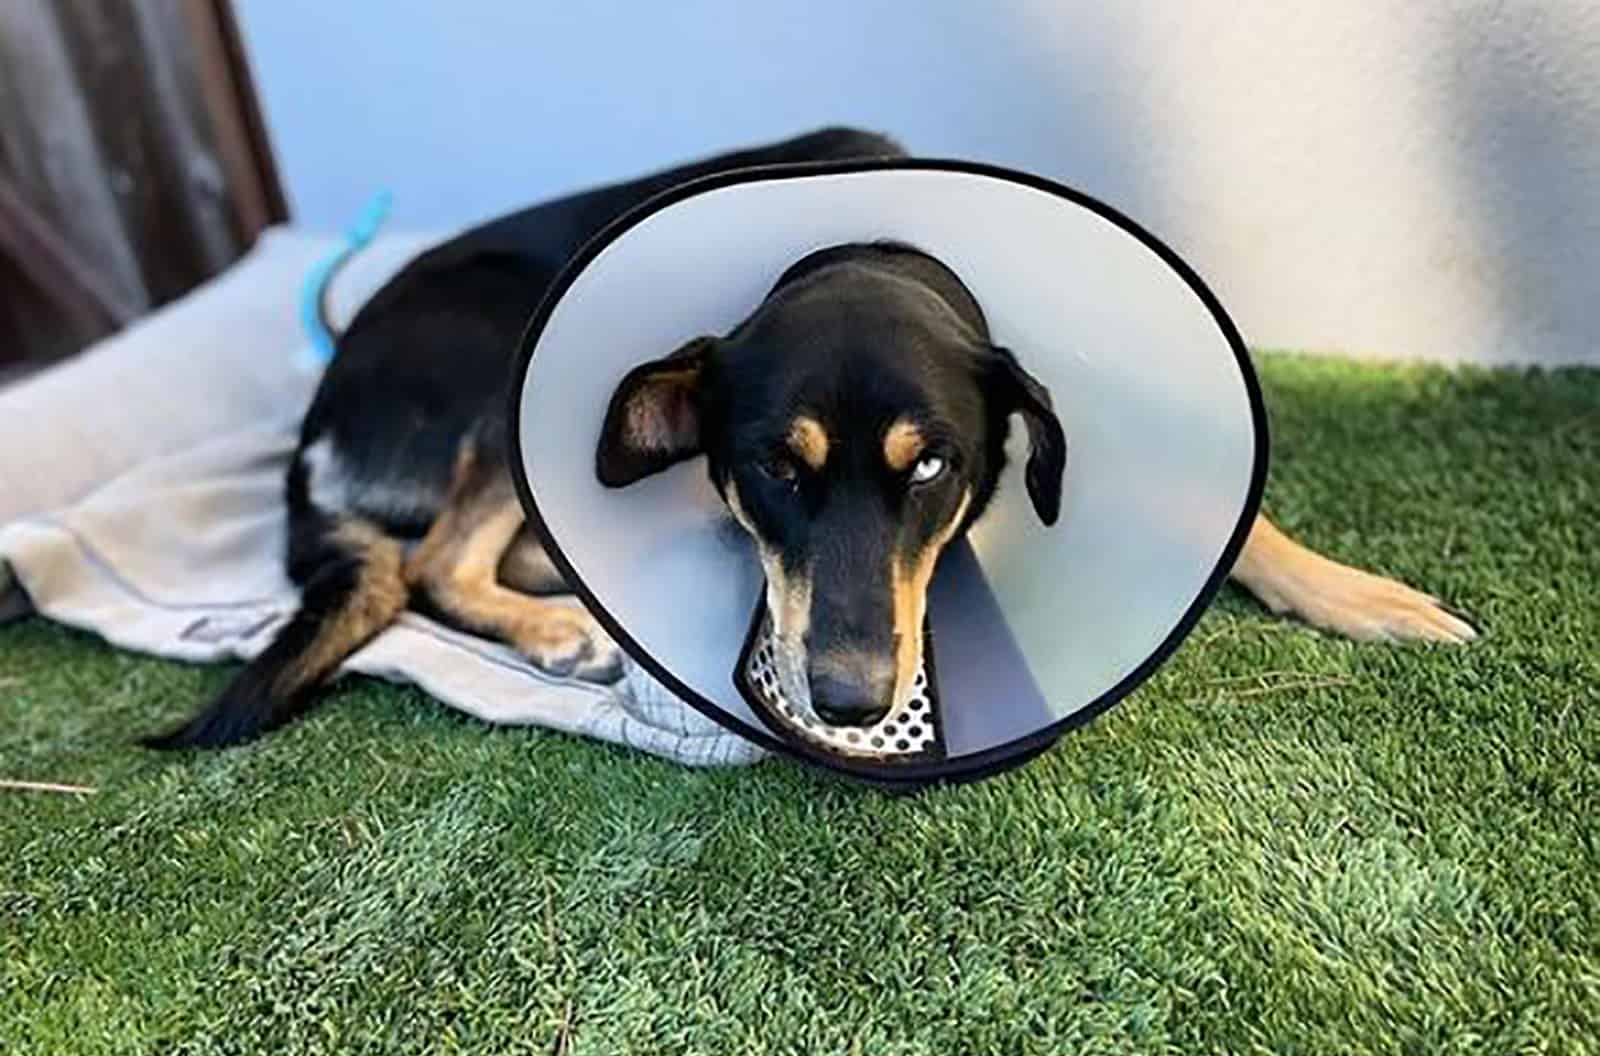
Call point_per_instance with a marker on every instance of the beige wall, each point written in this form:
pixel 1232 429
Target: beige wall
pixel 1382 177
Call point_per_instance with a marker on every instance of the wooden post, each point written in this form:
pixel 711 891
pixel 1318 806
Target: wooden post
pixel 133 162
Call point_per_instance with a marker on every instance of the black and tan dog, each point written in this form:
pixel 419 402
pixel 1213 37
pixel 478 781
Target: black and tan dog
pixel 854 424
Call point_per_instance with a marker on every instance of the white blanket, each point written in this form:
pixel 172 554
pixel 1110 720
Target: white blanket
pixel 141 494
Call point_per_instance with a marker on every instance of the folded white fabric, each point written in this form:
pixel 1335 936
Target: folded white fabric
pixel 141 499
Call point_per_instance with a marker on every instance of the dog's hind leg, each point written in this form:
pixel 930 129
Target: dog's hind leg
pixel 455 573
pixel 351 589
pixel 1291 580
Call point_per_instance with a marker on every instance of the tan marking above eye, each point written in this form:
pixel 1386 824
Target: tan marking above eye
pixel 902 445
pixel 809 441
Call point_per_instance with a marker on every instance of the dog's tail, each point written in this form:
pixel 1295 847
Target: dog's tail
pixel 355 587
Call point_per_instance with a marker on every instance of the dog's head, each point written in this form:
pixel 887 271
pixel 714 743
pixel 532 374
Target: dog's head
pixel 854 425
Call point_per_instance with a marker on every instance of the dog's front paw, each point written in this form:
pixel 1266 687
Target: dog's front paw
pixel 571 643
pixel 1363 606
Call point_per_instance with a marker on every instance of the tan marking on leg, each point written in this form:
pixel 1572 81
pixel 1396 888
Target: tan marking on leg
pixel 1291 580
pixel 809 441
pixel 902 445
pixel 909 583
pixel 379 596
pixel 457 565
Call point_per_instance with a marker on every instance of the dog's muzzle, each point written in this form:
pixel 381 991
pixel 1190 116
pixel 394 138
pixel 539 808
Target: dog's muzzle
pixel 774 683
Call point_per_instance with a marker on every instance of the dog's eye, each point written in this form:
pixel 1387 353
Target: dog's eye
pixel 927 468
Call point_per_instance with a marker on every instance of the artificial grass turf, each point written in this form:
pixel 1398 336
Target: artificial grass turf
pixel 1282 843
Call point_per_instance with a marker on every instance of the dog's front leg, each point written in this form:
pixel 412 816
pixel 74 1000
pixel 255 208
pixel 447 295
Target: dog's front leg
pixel 1291 580
pixel 454 570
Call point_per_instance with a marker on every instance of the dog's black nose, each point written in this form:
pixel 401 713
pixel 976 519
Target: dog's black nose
pixel 851 701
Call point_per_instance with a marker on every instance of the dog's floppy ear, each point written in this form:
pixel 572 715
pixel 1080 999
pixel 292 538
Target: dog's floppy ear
pixel 654 418
pixel 1013 389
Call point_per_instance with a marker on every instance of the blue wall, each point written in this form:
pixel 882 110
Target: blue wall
pixel 1386 178
pixel 467 109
